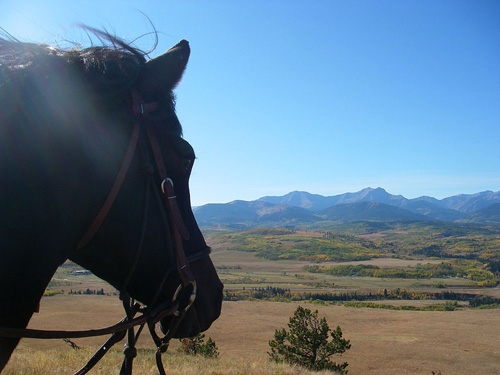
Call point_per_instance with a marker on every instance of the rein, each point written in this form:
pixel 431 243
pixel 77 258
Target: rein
pixel 177 307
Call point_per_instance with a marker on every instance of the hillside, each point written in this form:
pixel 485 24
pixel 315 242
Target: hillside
pixel 368 211
pixel 489 215
pixel 241 214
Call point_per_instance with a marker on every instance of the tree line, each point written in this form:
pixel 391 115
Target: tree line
pixel 271 293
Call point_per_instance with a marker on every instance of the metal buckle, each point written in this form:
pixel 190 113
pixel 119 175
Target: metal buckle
pixel 163 189
pixel 191 299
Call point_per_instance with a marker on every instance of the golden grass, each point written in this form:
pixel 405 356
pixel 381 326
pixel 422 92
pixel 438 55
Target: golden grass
pixel 33 362
pixel 383 341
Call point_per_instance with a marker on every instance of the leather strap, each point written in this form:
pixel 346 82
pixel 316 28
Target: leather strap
pixel 167 186
pixel 178 229
pixel 114 190
pixel 139 108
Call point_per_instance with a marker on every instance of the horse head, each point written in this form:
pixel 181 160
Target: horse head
pixel 152 276
pixel 91 131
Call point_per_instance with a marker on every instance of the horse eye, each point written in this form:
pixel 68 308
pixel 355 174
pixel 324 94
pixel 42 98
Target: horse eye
pixel 187 164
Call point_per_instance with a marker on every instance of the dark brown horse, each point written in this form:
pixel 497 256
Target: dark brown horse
pixel 69 120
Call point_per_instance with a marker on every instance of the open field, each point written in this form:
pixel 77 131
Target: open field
pixel 383 341
pixel 387 342
pixel 242 268
pixel 239 269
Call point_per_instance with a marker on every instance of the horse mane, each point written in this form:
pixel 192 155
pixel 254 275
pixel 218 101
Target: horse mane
pixel 110 70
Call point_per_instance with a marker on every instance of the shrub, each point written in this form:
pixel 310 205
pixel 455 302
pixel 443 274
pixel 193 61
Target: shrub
pixel 307 343
pixel 197 345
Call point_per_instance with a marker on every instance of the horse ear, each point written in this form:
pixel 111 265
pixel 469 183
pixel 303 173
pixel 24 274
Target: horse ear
pixel 166 70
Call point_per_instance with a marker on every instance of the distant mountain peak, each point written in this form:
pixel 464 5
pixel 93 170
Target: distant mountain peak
pixel 370 204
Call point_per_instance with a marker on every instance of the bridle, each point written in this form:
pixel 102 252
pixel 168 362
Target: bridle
pixel 177 227
pixel 185 294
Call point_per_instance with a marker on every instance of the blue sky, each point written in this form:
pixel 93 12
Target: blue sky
pixel 320 96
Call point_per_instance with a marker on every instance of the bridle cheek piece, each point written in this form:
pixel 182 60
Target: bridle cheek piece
pixel 176 308
pixel 175 226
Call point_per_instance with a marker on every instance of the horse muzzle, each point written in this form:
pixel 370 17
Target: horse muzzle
pixel 207 305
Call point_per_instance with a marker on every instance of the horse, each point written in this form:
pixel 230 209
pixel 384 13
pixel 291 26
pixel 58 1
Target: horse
pixel 94 169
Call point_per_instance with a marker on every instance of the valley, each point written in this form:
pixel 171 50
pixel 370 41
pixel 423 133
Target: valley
pixel 421 323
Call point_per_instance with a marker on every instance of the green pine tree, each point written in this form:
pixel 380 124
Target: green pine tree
pixel 310 343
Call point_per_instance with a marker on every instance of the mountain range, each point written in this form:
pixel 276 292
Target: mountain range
pixel 299 209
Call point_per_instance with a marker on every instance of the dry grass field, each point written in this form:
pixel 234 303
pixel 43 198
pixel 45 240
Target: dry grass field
pixel 242 269
pixel 383 341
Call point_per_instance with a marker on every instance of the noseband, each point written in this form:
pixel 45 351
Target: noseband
pixel 185 294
